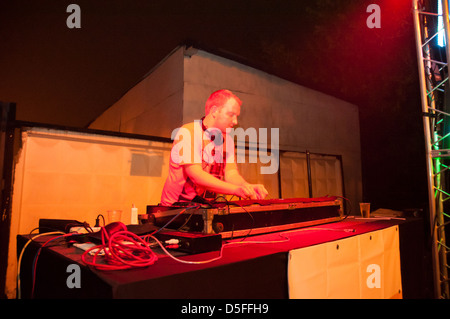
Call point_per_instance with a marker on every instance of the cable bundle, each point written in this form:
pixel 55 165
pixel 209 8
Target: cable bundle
pixel 121 249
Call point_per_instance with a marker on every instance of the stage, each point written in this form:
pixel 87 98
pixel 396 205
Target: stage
pixel 255 267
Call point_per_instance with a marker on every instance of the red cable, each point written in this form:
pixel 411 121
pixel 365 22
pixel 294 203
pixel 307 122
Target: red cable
pixel 37 257
pixel 122 250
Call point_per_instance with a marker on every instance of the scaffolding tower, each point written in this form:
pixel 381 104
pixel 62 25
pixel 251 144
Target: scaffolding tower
pixel 434 85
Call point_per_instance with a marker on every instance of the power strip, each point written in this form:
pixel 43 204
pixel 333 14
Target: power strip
pixel 64 225
pixel 193 243
pixel 83 230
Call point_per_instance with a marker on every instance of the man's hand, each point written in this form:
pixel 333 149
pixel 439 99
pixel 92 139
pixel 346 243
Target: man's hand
pixel 260 190
pixel 251 191
pixel 236 185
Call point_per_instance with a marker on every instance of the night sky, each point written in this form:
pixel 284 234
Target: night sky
pixel 64 76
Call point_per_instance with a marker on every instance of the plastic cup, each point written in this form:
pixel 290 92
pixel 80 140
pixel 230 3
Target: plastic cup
pixel 365 209
pixel 114 216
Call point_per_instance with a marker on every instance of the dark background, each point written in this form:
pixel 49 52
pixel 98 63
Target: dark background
pixel 63 76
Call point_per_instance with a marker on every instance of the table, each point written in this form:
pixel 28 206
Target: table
pixel 256 268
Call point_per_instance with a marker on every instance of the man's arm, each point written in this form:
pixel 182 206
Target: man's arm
pixel 232 176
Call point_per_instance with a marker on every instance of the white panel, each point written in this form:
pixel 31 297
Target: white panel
pixel 342 268
pixel 326 175
pixel 294 175
pixel 307 275
pixel 371 257
pixel 392 284
pixel 366 266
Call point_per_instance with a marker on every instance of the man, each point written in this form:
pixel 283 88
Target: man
pixel 203 165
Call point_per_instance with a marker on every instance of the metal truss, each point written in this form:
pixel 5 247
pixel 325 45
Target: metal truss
pixel 434 86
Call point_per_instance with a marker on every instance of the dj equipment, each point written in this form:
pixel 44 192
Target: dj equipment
pixel 244 217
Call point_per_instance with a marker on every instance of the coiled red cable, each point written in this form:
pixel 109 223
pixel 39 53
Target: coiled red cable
pixel 120 250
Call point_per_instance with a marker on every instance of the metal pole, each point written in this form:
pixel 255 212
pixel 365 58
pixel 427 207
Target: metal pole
pixel 429 159
pixel 308 164
pixel 441 234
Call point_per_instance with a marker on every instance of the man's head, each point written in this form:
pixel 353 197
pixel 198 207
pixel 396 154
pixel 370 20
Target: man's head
pixel 222 109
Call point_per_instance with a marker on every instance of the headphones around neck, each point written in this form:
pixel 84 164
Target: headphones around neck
pixel 213 133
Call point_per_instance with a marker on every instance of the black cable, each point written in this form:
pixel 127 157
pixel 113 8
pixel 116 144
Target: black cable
pixel 97 220
pixel 173 218
pixel 186 221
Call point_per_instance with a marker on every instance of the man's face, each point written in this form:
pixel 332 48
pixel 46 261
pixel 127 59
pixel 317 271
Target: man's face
pixel 226 116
